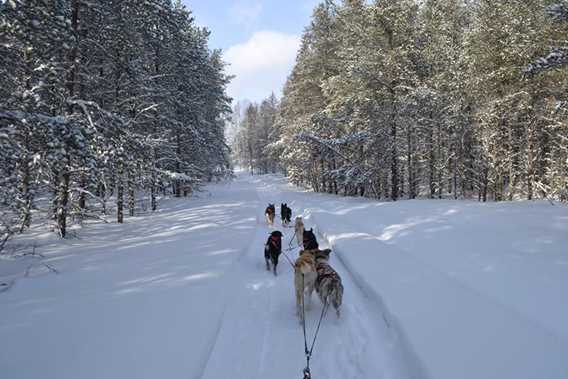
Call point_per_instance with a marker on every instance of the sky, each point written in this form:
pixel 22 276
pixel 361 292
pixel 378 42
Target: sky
pixel 259 39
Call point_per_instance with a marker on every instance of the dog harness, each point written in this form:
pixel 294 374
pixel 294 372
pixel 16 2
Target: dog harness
pixel 311 251
pixel 276 242
pixel 325 271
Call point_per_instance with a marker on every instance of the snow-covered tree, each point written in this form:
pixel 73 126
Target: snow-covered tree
pixel 106 99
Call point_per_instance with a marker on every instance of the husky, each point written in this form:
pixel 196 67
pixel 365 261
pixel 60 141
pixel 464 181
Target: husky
pixel 272 250
pixel 309 240
pixel 299 230
pixel 269 213
pixel 288 214
pixel 328 282
pixel 304 279
pixel 285 214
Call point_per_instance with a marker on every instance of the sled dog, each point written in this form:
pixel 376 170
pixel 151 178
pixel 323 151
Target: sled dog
pixel 269 213
pixel 272 250
pixel 309 239
pixel 328 283
pixel 304 279
pixel 285 214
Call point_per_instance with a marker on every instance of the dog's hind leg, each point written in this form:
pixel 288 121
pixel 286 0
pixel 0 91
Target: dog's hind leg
pixel 308 293
pixel 274 258
pixel 299 303
pixel 308 296
pixel 267 264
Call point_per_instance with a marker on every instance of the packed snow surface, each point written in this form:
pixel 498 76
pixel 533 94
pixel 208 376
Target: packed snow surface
pixel 433 289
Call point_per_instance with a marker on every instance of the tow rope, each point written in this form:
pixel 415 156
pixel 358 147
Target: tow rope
pixel 306 372
pixel 288 259
pixel 292 239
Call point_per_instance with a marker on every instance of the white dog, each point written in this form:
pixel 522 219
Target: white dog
pixel 299 230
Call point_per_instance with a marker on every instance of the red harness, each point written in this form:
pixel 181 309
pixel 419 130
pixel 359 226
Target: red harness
pixel 274 240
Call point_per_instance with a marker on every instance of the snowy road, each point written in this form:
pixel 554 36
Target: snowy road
pixel 139 300
pixel 184 293
pixel 261 336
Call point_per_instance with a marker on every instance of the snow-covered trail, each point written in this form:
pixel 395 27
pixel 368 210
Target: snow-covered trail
pixel 474 288
pixel 184 293
pixel 262 337
pixel 140 300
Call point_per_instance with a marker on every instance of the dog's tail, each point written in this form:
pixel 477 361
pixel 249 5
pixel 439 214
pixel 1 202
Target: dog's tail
pixel 336 295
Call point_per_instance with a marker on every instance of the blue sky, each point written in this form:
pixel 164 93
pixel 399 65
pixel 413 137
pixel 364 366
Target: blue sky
pixel 259 38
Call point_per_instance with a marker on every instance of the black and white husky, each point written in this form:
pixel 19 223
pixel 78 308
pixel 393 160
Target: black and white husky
pixel 328 282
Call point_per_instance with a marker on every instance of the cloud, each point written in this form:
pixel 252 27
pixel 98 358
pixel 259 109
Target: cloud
pixel 245 12
pixel 261 64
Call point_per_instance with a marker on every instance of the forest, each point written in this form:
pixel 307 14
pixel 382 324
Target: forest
pixel 398 99
pixel 105 101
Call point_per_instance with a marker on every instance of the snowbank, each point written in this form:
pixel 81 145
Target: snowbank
pixel 456 331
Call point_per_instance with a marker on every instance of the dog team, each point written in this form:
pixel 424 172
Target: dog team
pixel 312 270
pixel 285 214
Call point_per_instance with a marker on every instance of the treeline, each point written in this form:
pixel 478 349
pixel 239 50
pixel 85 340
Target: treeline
pixel 401 99
pixel 257 136
pixel 102 99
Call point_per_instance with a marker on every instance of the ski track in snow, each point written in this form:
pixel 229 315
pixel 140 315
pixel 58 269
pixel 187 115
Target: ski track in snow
pixel 261 320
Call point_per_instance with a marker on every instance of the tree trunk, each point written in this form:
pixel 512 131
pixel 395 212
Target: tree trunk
pixel 455 176
pixel 26 216
pixel 62 206
pixel 485 184
pixel 153 183
pixel 119 193
pixel 394 155
pixel 131 194
pixel 82 195
pixel 55 201
pixel 409 163
pixel 431 161
pixel 439 158
pixel 322 174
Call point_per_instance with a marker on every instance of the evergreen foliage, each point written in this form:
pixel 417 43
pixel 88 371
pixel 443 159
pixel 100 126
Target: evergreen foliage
pixel 400 99
pixel 105 99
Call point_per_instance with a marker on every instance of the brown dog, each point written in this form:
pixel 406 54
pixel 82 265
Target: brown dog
pixel 270 212
pixel 305 276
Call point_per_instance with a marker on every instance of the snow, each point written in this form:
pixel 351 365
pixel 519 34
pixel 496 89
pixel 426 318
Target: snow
pixel 140 300
pixel 433 289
